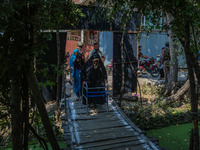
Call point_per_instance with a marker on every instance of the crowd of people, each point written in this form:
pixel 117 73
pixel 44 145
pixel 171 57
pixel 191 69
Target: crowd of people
pixel 91 72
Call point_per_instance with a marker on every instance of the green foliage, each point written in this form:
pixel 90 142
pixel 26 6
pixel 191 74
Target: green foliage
pixel 155 117
pixel 39 127
pixel 20 41
pixel 175 137
pixel 36 146
pixel 108 11
pixel 152 114
pixel 47 75
pixel 181 10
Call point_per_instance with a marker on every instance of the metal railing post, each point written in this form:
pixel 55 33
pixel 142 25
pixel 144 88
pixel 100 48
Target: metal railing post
pixel 82 97
pixel 65 97
pixel 87 98
pixel 107 96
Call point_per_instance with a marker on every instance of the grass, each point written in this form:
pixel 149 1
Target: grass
pixel 175 137
pixel 38 147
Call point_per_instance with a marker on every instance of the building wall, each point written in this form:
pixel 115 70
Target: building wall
pixel 74 37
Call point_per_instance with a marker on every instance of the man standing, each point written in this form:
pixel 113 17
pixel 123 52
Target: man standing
pixel 96 49
pixel 165 60
pixel 160 64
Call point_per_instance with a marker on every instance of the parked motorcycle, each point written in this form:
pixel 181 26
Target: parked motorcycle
pixel 150 66
pixel 109 68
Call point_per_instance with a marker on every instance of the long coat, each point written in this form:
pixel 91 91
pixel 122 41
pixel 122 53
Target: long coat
pixel 94 78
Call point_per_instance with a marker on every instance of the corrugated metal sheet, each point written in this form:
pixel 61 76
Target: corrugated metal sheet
pixel 106 45
pixel 153 43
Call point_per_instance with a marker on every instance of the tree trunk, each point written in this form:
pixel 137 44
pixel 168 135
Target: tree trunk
pixel 122 65
pixel 37 97
pixel 194 110
pixel 172 80
pixel 193 95
pixel 16 120
pixel 178 95
pixel 25 98
pixel 196 63
pixel 59 76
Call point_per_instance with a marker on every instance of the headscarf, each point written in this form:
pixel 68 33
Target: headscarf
pixel 72 58
pixel 89 62
pixel 89 65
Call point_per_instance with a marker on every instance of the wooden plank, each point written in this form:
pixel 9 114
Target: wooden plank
pixel 138 145
pixel 104 136
pixel 77 105
pixel 64 118
pixel 126 118
pixel 142 136
pixel 107 116
pixel 101 131
pixel 107 142
pixel 67 134
pixel 134 147
pixel 91 116
pixel 90 111
pixel 67 139
pixel 85 126
pixel 100 120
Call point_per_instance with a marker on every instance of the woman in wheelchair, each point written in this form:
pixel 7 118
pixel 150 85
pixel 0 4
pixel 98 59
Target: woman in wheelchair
pixel 94 75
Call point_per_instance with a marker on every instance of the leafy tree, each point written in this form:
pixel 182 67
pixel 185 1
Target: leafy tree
pixel 21 25
pixel 184 25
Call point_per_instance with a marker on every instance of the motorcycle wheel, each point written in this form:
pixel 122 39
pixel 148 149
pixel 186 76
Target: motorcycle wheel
pixel 155 72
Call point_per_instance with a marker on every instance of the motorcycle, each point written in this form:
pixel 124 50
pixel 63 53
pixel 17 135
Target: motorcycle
pixel 109 68
pixel 150 66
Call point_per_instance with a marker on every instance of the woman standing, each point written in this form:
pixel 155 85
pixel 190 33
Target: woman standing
pixel 94 74
pixel 77 60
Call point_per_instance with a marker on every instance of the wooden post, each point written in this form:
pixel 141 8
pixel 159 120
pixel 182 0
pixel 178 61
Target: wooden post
pixel 38 99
